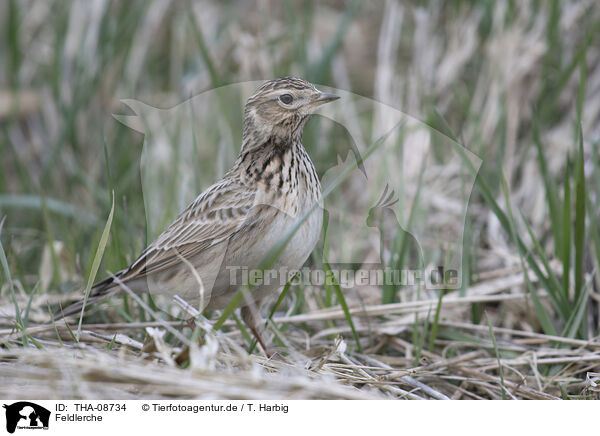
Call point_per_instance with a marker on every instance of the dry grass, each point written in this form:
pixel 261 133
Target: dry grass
pixel 491 70
pixel 108 362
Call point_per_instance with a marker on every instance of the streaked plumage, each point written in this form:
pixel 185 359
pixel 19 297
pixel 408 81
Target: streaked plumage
pixel 236 221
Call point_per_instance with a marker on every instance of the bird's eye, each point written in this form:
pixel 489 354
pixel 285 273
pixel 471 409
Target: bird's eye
pixel 286 98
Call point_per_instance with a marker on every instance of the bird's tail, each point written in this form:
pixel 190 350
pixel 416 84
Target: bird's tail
pixel 99 291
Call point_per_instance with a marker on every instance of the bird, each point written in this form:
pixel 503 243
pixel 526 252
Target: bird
pixel 237 221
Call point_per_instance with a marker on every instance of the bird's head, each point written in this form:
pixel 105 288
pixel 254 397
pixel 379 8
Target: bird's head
pixel 281 107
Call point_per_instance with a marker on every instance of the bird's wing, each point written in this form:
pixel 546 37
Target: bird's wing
pixel 217 214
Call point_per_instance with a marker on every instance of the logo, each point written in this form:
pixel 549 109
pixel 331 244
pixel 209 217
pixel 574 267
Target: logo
pixel 26 415
pixel 404 232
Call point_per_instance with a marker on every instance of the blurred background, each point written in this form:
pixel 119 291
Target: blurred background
pixel 517 83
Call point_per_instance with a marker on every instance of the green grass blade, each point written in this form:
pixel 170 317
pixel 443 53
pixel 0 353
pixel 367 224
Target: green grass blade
pixel 71 333
pixel 436 320
pixel 554 206
pixel 558 297
pixel 50 240
pixel 27 309
pixel 281 297
pixel 319 72
pixel 565 255
pixel 543 316
pixel 594 233
pixel 247 337
pixel 51 313
pixel 419 338
pixel 11 285
pixel 204 50
pixel 581 88
pixel 486 192
pixel 574 323
pixel 579 234
pixel 96 263
pixel 230 308
pixel 34 202
pixel 578 57
pixel 112 343
pixel 541 312
pixel 342 301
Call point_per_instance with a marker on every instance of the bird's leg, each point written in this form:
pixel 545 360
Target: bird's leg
pixel 191 323
pixel 251 317
pixel 254 331
pixel 184 355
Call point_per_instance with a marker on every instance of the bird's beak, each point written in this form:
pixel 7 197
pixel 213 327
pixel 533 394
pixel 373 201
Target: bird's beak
pixel 324 97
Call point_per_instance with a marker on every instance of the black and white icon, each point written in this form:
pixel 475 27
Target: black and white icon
pixel 26 415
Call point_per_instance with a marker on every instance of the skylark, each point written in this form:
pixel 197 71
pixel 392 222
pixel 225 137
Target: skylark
pixel 237 221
